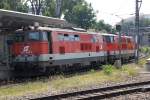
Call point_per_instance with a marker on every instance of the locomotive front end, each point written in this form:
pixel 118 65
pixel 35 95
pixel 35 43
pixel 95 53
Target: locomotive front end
pixel 27 48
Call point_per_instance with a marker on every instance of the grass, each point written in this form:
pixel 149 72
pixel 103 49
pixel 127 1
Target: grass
pixel 131 69
pixel 109 73
pixel 22 89
pixel 142 62
pixel 145 49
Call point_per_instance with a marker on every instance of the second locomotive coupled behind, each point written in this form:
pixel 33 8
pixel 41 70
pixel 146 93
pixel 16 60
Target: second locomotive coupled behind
pixel 53 48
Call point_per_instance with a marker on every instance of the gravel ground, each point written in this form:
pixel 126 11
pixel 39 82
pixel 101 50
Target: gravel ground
pixel 135 96
pixel 143 76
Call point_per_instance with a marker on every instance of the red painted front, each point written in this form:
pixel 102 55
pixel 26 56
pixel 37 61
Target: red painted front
pixel 36 48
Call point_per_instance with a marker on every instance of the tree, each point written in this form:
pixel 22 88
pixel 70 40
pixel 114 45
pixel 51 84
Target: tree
pixel 99 26
pixel 49 8
pixel 16 5
pixel 36 6
pixel 78 12
pixel 108 27
pixel 102 26
pixel 43 7
pixel 81 14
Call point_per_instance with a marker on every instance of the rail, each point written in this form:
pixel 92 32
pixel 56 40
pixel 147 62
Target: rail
pixel 101 93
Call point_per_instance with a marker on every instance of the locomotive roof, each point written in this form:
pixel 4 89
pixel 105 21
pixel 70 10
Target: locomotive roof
pixel 108 34
pixel 73 31
pixel 69 30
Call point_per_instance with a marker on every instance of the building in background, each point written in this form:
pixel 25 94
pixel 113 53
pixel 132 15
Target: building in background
pixel 128 28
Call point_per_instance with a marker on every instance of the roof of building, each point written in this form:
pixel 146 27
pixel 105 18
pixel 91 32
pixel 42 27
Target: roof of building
pixel 14 20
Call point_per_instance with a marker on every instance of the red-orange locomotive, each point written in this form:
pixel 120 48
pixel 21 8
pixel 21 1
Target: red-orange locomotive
pixel 53 48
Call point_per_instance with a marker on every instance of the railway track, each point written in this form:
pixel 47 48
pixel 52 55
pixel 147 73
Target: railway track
pixel 101 93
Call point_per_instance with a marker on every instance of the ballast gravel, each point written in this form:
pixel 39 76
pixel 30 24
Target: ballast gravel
pixel 136 96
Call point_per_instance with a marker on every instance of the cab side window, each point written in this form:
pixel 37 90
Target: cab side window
pixel 77 38
pixel 44 36
pixel 66 37
pixel 60 37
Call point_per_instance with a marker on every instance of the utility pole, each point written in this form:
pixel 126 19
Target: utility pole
pixel 118 28
pixel 137 40
pixel 58 8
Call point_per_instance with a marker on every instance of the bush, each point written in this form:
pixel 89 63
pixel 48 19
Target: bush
pixel 130 69
pixel 145 49
pixel 108 69
pixel 142 62
pixel 92 70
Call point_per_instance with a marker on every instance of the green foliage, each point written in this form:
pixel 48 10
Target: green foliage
pixel 81 14
pixel 78 12
pixel 113 30
pixel 108 69
pixel 92 70
pixel 22 89
pixel 130 69
pixel 49 8
pixel 102 26
pixel 142 62
pixel 16 5
pixel 145 49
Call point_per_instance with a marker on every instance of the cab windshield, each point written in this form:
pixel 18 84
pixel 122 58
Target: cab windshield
pixel 30 36
pixel 19 37
pixel 108 39
pixel 37 36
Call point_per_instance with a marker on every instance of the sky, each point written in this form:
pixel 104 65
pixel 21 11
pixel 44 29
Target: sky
pixel 113 11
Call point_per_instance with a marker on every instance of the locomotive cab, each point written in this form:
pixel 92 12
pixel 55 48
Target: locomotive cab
pixel 28 47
